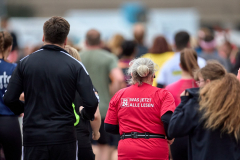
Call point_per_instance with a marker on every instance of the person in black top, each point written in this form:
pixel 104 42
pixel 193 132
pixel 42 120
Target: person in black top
pixel 84 127
pixel 49 79
pixel 210 116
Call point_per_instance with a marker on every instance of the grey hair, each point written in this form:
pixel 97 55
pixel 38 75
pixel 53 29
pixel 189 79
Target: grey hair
pixel 139 69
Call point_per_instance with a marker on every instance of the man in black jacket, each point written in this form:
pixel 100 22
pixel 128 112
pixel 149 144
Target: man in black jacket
pixel 49 79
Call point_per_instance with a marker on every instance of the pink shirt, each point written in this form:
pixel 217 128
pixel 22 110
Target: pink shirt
pixel 178 87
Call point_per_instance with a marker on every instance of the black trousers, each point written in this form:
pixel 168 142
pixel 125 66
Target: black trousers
pixel 86 153
pixel 50 152
pixel 179 148
pixel 10 137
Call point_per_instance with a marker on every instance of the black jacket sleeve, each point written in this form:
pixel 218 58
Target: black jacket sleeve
pixel 87 93
pixel 166 119
pixel 184 118
pixel 12 94
pixel 113 129
pixel 160 85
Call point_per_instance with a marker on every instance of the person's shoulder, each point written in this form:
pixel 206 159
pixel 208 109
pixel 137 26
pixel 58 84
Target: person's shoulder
pixel 172 61
pixel 122 90
pixel 174 85
pixel 8 64
pixel 119 94
pixel 201 62
pixel 108 54
pixel 162 93
pixel 147 55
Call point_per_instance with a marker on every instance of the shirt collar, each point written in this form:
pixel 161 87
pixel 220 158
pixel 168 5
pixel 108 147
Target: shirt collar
pixel 53 47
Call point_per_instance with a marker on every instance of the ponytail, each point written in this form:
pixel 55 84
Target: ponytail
pixel 188 60
pixel 1 42
pixel 6 41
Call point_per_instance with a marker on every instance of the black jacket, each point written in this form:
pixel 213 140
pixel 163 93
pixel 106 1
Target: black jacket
pixel 49 79
pixel 204 144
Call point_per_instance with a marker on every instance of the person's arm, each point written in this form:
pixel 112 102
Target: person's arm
pixel 166 119
pixel 167 107
pixel 22 98
pixel 184 118
pixel 87 93
pixel 13 92
pixel 113 129
pixel 95 125
pixel 117 78
pixel 161 79
pixel 111 120
pixel 160 85
pixel 115 74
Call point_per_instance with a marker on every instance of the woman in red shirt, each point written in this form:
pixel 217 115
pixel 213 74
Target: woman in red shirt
pixel 140 113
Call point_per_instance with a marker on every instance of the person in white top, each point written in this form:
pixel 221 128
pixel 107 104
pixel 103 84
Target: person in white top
pixel 171 71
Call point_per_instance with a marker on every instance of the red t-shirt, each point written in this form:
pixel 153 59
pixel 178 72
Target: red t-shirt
pixel 178 87
pixel 139 109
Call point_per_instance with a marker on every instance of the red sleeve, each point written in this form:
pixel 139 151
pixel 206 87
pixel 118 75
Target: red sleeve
pixel 167 102
pixel 112 113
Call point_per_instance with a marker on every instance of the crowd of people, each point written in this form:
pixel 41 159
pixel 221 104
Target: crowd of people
pixel 121 99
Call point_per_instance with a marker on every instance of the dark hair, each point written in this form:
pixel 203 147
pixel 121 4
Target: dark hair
pixel 208 38
pixel 181 40
pixel 56 30
pixel 188 61
pixel 128 48
pixel 160 45
pixel 93 37
pixel 6 41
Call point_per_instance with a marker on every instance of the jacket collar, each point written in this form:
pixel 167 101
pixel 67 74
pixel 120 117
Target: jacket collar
pixel 53 47
pixel 193 92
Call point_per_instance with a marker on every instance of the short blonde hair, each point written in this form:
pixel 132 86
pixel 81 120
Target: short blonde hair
pixel 141 68
pixel 73 52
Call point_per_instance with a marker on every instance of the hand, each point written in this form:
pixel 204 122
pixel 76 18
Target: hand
pixel 238 76
pixel 95 136
pixel 184 93
pixel 21 115
pixel 80 109
pixel 21 98
pixel 170 141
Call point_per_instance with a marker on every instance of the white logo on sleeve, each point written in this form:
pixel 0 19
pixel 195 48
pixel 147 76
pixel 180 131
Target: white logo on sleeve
pixel 4 80
pixel 124 102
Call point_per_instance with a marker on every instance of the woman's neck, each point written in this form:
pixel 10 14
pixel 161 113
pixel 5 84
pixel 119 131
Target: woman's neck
pixel 148 80
pixel 186 75
pixel 3 55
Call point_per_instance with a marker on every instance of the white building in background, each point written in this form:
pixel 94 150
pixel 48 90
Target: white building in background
pixel 109 22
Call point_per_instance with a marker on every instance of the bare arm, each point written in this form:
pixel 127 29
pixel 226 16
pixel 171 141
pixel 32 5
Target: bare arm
pixel 117 77
pixel 95 125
